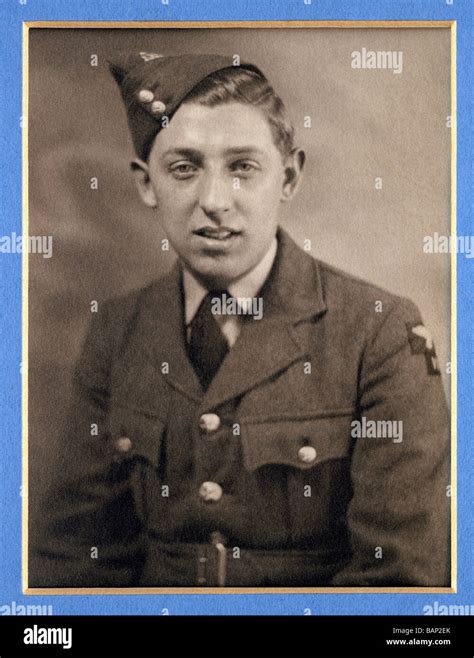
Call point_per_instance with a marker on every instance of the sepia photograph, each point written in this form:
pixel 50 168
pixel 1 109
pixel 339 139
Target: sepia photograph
pixel 239 308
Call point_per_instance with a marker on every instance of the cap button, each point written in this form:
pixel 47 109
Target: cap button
pixel 145 96
pixel 307 454
pixel 157 107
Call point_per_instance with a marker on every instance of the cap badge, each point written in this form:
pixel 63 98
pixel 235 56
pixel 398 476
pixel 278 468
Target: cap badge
pixel 147 57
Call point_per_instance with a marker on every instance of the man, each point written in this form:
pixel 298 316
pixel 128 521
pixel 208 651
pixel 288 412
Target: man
pixel 262 419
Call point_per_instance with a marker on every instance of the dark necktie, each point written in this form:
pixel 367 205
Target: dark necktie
pixel 207 346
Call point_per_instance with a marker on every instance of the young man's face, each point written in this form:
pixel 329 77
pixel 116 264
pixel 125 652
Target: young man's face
pixel 217 180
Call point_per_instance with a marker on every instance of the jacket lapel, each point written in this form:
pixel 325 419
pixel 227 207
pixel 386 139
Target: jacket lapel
pixel 162 334
pixel 292 294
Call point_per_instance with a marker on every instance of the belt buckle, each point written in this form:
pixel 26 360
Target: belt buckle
pixel 217 540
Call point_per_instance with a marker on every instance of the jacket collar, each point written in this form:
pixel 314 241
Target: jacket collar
pixel 294 289
pixel 292 293
pixel 247 286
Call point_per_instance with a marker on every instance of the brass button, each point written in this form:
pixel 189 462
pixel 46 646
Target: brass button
pixel 145 96
pixel 209 422
pixel 210 491
pixel 124 444
pixel 307 454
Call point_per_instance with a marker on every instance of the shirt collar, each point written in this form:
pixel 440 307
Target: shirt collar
pixel 247 286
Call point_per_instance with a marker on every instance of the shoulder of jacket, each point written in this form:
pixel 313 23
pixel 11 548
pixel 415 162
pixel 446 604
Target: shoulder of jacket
pixel 364 308
pixel 118 315
pixel 352 292
pixel 123 306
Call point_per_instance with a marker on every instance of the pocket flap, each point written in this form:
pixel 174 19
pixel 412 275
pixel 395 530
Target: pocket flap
pixel 302 444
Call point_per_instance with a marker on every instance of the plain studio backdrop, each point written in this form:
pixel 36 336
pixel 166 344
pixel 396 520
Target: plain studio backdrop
pixel 365 124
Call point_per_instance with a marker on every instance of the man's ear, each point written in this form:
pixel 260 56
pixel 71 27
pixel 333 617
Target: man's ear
pixel 293 170
pixel 141 174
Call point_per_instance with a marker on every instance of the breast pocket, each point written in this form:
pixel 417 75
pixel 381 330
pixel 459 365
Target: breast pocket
pixel 137 446
pixel 315 452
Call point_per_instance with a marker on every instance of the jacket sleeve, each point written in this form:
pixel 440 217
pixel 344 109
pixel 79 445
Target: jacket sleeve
pixel 398 516
pixel 90 536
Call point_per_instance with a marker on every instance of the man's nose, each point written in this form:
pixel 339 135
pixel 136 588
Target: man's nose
pixel 215 195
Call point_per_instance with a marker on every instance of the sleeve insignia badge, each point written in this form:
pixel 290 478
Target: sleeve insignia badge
pixel 421 342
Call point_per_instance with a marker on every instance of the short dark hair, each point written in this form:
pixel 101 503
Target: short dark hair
pixel 237 84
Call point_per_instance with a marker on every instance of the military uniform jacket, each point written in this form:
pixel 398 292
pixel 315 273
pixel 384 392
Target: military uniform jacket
pixel 302 498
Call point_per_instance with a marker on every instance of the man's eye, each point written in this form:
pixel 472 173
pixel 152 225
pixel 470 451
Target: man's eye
pixel 243 167
pixel 183 170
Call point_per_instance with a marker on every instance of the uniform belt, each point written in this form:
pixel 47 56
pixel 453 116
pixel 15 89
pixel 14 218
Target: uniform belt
pixel 216 565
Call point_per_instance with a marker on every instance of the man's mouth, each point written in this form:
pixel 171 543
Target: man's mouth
pixel 221 233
